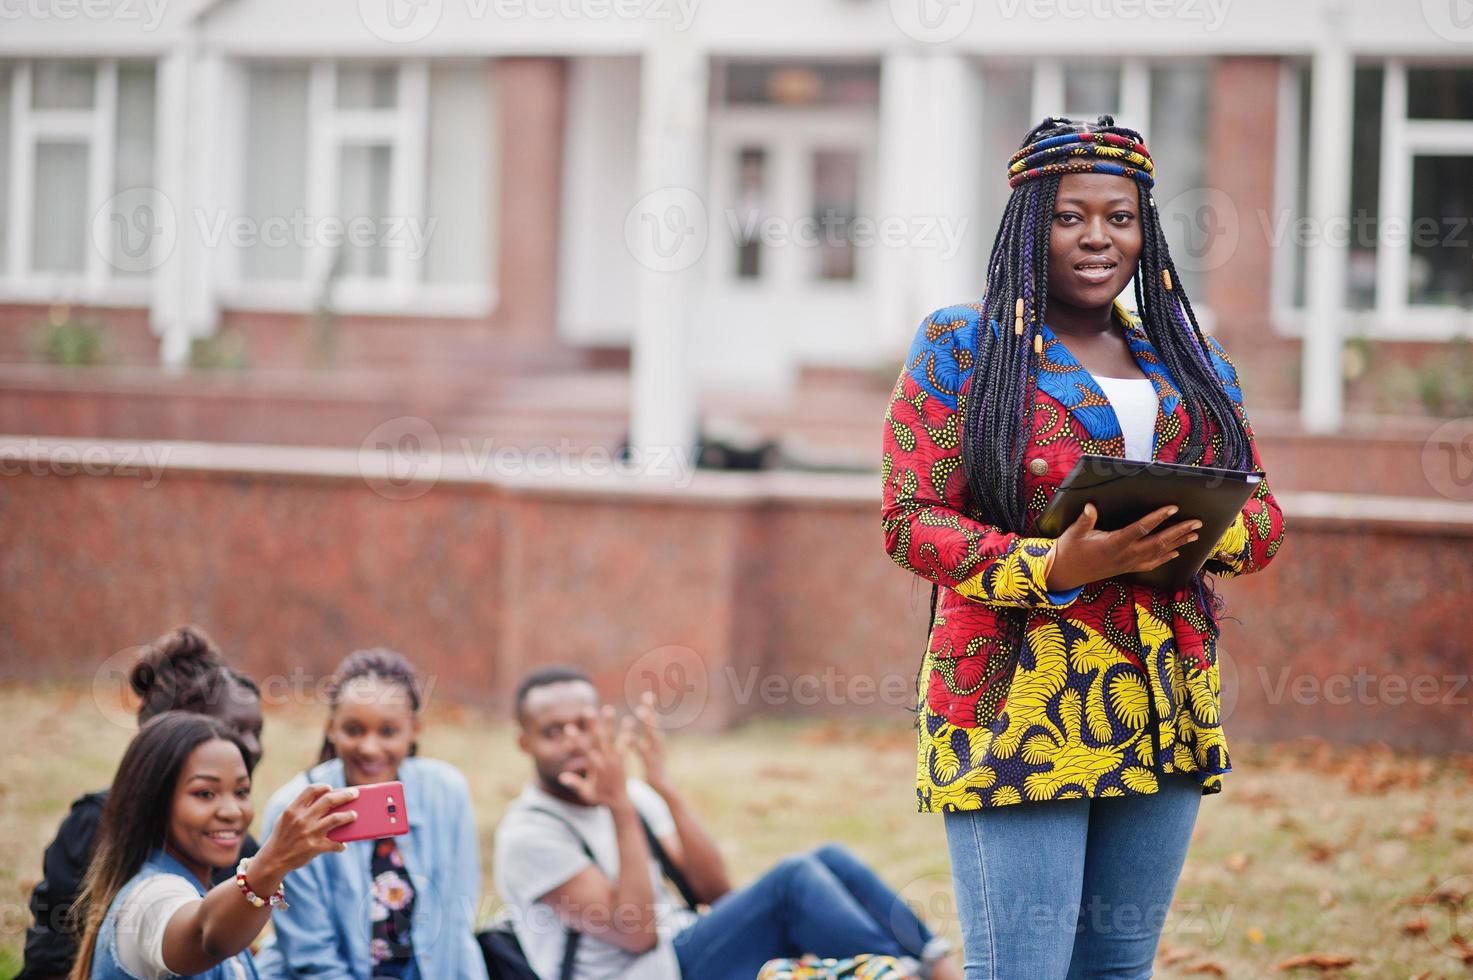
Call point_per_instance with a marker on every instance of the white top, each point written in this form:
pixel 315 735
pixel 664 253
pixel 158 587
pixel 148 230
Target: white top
pixel 1134 402
pixel 536 853
pixel 141 921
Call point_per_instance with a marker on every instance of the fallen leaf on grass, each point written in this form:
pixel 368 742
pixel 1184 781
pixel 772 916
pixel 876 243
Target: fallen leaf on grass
pixel 1206 966
pixel 1319 851
pixel 1450 897
pixel 1320 961
pixel 1415 927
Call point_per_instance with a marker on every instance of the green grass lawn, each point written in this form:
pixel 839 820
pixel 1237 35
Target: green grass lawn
pixel 1311 849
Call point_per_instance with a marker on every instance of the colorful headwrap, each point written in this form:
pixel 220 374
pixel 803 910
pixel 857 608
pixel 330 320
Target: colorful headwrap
pixel 1095 151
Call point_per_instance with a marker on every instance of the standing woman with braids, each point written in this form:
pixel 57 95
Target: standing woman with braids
pixel 400 907
pixel 1069 720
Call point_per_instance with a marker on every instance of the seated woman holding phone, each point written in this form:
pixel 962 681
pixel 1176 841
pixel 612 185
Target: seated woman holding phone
pixel 400 900
pixel 179 808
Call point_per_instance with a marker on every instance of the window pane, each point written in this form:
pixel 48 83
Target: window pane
pixel 133 148
pixel 1365 188
pixel 1440 93
pixel 275 171
pixel 57 84
pixel 1441 270
pixel 835 206
pixel 59 215
pixel 367 86
pixel 364 176
pixel 750 83
pixel 1090 90
pixel 461 175
pixel 1177 137
pixel 751 188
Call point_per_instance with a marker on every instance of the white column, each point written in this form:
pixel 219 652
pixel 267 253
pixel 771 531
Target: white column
pixel 197 145
pixel 899 293
pixel 667 228
pixel 953 138
pixel 166 304
pixel 930 132
pixel 1322 394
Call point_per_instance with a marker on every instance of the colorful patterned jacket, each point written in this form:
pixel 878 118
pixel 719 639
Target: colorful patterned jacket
pixel 1027 694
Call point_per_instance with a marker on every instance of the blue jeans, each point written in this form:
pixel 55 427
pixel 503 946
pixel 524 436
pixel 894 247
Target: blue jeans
pixel 1070 888
pixel 824 902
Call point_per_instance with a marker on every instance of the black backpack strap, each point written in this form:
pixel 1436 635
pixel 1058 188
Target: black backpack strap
pixel 570 954
pixel 676 876
pixel 570 943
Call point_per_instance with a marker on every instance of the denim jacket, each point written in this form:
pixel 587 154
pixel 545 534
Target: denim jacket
pixel 325 934
pixel 105 965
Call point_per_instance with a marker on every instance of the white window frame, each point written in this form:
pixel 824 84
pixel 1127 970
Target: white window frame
pixel 1402 140
pixel 405 129
pixel 1135 112
pixel 1135 89
pixel 96 127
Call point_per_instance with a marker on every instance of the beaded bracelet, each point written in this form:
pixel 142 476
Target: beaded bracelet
pixel 277 900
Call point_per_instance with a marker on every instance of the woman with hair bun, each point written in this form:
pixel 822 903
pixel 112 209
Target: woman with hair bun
pixel 183 670
pixel 400 907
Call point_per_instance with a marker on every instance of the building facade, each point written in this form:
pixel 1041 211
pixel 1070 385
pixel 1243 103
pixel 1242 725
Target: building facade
pixel 726 196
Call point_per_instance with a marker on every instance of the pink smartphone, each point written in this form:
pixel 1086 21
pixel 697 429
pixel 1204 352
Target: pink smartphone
pixel 381 813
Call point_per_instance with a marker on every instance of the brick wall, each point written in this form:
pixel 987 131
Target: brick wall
pixel 742 595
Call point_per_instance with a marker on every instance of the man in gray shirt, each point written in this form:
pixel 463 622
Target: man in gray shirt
pixel 562 847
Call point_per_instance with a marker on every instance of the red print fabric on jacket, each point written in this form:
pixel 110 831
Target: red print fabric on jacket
pixel 1027 694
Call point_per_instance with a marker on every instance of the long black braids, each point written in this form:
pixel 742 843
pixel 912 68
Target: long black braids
pixel 1170 324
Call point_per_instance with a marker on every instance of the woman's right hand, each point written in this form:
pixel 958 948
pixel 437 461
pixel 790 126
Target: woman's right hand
pixel 301 833
pixel 1083 554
